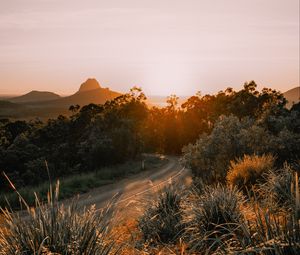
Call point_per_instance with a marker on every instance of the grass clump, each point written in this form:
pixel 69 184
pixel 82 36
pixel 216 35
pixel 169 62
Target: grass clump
pixel 280 189
pixel 212 216
pixel 249 170
pixel 55 228
pixel 162 221
pixel 267 233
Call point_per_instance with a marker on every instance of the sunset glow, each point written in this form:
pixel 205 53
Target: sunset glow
pixel 165 47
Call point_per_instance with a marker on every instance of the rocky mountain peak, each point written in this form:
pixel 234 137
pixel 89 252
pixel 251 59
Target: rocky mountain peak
pixel 89 84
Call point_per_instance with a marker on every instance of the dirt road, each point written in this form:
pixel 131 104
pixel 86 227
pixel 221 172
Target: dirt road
pixel 136 188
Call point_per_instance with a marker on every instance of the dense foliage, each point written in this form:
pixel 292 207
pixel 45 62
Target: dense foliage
pixel 93 137
pixel 229 124
pixel 231 138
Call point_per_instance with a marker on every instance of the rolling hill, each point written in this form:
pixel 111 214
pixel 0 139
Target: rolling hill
pixel 293 96
pixel 35 96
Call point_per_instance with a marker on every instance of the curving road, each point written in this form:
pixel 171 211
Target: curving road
pixel 136 188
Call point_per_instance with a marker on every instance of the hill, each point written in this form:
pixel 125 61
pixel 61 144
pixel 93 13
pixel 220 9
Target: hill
pixel 35 96
pixel 293 96
pixel 89 92
pixel 46 105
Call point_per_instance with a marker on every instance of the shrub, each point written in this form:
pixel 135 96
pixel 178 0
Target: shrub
pixel 249 170
pixel 213 215
pixel 161 222
pixel 53 227
pixel 210 155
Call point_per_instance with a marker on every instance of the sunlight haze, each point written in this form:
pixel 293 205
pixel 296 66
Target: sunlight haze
pixel 165 47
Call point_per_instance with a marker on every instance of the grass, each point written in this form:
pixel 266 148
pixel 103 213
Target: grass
pixel 210 220
pixel 249 170
pixel 212 216
pixel 220 220
pixel 53 228
pixel 81 183
pixel 162 220
pixel 280 189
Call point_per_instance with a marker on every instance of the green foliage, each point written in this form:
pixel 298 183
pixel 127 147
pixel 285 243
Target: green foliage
pixel 231 138
pixel 210 155
pixel 93 137
pixel 249 170
pixel 56 228
pixel 161 222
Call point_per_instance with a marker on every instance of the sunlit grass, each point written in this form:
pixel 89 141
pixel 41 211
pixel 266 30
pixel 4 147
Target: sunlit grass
pixel 52 227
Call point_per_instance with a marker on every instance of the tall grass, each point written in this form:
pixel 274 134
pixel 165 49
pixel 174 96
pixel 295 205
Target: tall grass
pixel 249 170
pixel 162 220
pixel 220 220
pixel 280 189
pixel 56 228
pixel 212 216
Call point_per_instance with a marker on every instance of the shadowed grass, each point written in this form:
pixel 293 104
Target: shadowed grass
pixel 162 220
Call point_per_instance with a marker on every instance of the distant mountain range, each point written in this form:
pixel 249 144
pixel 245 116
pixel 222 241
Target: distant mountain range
pixel 293 96
pixel 44 104
pixel 35 96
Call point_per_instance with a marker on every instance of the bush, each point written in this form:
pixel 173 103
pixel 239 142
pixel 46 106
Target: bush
pixel 213 215
pixel 161 222
pixel 249 170
pixel 210 155
pixel 56 228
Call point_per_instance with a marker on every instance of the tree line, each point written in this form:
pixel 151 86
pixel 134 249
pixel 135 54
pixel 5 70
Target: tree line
pixel 95 136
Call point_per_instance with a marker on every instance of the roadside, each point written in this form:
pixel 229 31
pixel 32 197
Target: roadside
pixel 82 183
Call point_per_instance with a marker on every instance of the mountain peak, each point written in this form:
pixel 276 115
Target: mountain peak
pixel 89 84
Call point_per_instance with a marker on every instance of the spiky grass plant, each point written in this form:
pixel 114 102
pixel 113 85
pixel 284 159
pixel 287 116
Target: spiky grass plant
pixel 249 170
pixel 161 221
pixel 280 189
pixel 213 217
pixel 55 228
pixel 268 233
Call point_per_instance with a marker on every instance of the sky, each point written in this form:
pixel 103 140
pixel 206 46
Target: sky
pixel 164 46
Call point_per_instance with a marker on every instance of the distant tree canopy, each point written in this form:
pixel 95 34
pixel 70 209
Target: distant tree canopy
pixel 119 130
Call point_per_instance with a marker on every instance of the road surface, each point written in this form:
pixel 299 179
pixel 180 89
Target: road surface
pixel 137 189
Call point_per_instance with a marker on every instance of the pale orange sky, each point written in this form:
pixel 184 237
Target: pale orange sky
pixel 164 46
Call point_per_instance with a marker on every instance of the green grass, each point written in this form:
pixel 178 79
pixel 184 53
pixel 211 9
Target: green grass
pixel 82 183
